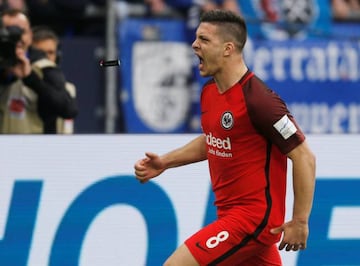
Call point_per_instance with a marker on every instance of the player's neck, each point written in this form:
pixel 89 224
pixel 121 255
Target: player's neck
pixel 230 76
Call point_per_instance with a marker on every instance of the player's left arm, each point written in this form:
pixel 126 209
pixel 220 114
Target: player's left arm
pixel 296 231
pixel 304 164
pixel 271 118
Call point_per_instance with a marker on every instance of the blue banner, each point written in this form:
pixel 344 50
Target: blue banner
pixel 156 75
pixel 319 80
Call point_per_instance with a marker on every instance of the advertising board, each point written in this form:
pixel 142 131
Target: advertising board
pixel 73 200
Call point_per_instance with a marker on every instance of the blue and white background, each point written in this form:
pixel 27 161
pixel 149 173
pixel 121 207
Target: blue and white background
pixel 73 200
pixel 317 72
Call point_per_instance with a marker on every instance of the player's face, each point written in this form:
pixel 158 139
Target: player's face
pixel 209 47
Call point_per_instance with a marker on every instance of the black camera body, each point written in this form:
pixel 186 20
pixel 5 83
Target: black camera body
pixel 9 37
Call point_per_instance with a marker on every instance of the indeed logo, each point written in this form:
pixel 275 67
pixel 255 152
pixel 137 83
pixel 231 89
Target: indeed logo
pixel 218 142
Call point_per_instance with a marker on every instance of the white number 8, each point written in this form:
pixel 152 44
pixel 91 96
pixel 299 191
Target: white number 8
pixel 214 241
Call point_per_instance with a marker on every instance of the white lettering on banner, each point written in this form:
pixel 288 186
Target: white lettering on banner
pixel 333 62
pixel 344 223
pixel 324 118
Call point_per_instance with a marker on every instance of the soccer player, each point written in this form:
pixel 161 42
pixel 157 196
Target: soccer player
pixel 248 135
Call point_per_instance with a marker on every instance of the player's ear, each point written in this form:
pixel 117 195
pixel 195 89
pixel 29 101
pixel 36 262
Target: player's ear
pixel 228 48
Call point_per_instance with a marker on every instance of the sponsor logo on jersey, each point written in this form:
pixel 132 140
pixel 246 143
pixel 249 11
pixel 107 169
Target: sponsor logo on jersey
pixel 285 127
pixel 218 142
pixel 227 120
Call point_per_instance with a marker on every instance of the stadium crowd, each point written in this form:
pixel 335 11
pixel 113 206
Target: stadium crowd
pixel 84 18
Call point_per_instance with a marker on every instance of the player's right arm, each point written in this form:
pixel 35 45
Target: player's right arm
pixel 153 165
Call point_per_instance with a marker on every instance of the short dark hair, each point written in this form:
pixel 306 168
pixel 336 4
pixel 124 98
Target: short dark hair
pixel 42 32
pixel 232 26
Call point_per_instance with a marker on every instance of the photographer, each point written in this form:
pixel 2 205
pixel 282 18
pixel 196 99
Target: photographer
pixel 46 40
pixel 30 100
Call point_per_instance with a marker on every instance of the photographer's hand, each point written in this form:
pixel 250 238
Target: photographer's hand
pixel 23 68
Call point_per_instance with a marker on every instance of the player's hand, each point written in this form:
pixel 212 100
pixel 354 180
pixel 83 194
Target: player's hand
pixel 295 234
pixel 148 167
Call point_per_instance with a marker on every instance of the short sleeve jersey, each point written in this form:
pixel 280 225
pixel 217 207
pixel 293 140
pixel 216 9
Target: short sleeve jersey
pixel 249 131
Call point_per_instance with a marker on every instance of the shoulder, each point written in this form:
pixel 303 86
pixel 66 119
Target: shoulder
pixel 259 96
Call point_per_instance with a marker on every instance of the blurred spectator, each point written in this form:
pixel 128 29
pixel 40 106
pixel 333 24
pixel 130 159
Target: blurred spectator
pixel 46 40
pixel 346 10
pixel 31 98
pixel 13 4
pixel 161 7
pixel 190 10
pixel 157 7
pixel 231 5
pixel 283 20
pixel 69 17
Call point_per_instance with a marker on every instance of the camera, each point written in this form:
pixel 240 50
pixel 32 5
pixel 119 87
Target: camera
pixel 9 37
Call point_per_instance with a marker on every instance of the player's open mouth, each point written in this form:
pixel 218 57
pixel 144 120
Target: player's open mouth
pixel 201 61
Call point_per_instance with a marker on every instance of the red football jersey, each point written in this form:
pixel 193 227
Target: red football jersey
pixel 249 131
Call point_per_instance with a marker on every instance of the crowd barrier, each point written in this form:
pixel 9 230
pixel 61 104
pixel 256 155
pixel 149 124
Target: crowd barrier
pixel 73 200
